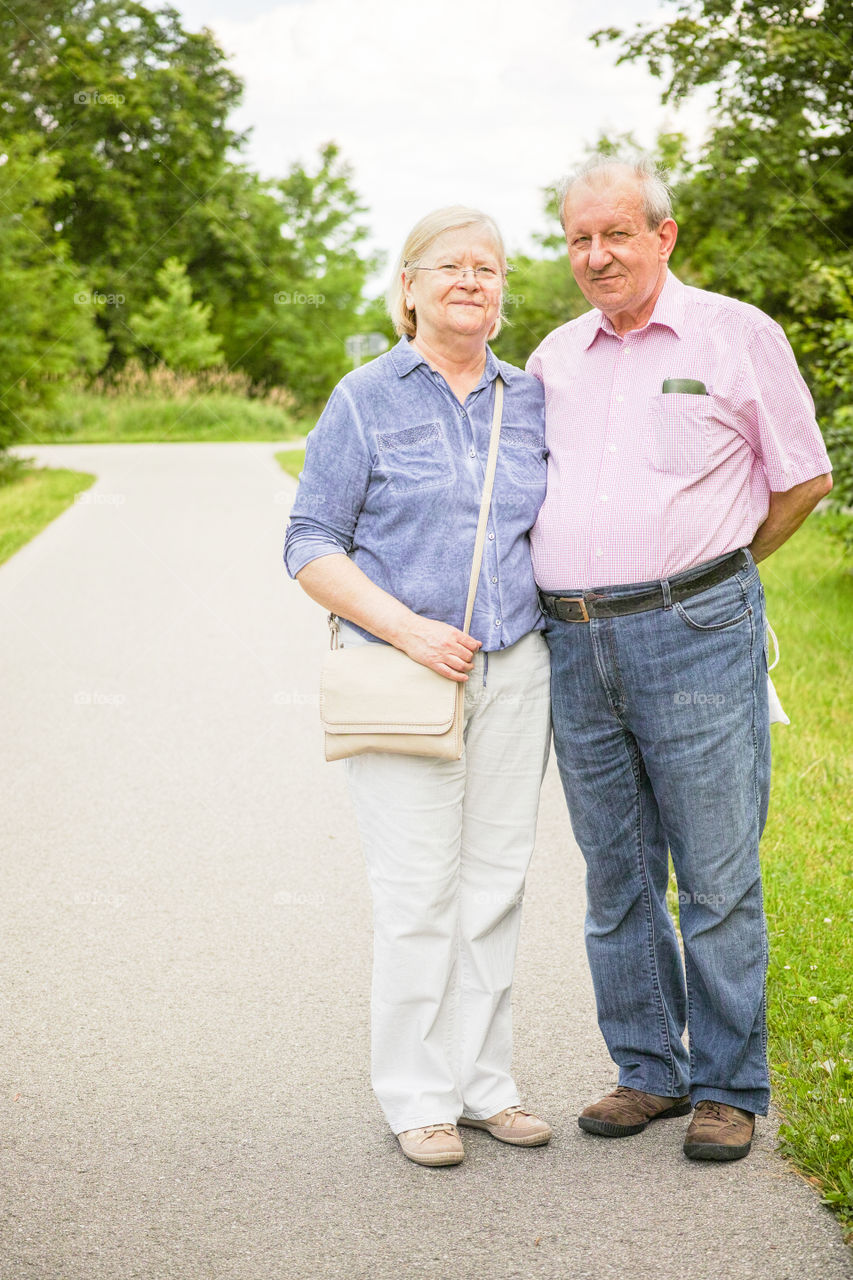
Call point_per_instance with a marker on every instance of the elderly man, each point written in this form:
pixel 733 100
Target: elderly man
pixel 683 449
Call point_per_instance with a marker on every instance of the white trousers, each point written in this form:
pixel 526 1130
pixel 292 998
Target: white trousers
pixel 447 846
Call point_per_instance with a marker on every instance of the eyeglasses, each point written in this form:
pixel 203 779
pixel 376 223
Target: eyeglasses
pixel 487 277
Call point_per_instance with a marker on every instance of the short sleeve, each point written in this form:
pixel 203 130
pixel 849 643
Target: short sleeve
pixel 776 412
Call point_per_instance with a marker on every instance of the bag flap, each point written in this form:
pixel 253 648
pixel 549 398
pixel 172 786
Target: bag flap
pixel 375 688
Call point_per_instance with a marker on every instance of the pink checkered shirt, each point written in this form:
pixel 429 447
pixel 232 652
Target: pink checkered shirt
pixel 642 485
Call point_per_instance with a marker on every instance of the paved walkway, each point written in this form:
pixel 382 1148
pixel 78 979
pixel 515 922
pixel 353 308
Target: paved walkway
pixel 186 951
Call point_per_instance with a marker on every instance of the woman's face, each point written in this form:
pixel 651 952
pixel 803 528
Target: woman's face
pixel 447 307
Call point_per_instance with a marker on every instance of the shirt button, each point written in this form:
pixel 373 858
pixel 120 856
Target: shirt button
pixel 491 537
pixel 497 622
pixel 599 551
pixel 494 579
pixel 472 453
pixel 603 497
pixel 611 448
pixel 620 399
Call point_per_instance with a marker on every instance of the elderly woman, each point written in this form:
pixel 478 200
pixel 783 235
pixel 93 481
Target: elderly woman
pixel 382 533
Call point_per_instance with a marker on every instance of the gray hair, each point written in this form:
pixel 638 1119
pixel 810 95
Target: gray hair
pixel 422 236
pixel 606 171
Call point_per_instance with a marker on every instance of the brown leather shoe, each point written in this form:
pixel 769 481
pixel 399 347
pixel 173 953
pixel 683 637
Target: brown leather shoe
pixel 626 1111
pixel 433 1144
pixel 514 1125
pixel 719 1132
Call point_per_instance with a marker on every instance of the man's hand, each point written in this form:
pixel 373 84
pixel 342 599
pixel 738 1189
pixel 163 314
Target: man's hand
pixel 787 512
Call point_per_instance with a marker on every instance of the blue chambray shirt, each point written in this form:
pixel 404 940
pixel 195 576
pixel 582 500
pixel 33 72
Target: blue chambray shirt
pixel 394 470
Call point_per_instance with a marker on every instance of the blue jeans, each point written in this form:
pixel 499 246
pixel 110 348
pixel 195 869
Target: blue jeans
pixel 662 738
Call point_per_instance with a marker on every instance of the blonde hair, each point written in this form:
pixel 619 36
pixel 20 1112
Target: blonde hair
pixel 422 236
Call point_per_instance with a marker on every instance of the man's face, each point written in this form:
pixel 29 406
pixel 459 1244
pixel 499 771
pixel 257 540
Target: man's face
pixel 617 261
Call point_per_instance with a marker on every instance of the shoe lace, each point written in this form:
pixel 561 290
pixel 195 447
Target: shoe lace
pixel 711 1108
pixel 430 1129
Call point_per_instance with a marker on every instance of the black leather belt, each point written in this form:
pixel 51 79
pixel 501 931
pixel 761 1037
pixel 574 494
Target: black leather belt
pixel 602 604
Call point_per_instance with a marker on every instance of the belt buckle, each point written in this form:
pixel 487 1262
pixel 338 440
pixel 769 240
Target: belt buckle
pixel 579 603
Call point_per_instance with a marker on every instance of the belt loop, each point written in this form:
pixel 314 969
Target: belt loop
pixel 667 594
pixel 485 668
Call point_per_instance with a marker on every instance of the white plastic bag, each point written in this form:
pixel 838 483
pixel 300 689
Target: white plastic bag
pixel 777 711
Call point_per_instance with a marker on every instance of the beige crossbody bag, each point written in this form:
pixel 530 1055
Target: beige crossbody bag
pixel 376 698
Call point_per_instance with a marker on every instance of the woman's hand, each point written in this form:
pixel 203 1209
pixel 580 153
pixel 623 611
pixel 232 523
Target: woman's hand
pixel 336 583
pixel 443 648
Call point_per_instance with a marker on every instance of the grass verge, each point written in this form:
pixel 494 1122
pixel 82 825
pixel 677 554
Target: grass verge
pixel 86 417
pixel 30 499
pixel 807 856
pixel 291 460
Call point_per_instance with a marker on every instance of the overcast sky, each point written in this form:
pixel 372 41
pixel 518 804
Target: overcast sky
pixel 480 102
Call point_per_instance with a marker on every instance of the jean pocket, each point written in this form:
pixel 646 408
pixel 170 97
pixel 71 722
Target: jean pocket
pixel 718 609
pixel 415 458
pixel 678 433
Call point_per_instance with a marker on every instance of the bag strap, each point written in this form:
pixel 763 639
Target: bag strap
pixel 485 501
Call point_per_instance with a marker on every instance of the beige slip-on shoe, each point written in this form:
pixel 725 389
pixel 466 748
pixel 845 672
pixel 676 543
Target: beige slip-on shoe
pixel 514 1125
pixel 434 1144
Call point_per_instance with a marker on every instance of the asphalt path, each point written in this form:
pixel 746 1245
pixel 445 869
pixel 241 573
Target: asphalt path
pixel 186 951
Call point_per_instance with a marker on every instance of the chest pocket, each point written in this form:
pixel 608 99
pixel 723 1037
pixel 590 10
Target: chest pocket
pixel 415 458
pixel 523 456
pixel 678 433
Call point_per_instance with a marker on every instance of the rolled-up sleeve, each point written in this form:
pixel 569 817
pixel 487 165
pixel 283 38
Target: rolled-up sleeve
pixel 332 486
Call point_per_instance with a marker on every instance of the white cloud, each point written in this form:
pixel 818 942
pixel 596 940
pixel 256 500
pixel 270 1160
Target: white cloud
pixel 483 102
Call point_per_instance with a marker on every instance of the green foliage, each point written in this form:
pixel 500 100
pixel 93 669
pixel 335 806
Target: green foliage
pixel 282 269
pixel 807 856
pixel 81 416
pixel 47 328
pixel 541 294
pixel 823 336
pixel 773 187
pixel 174 327
pixel 137 108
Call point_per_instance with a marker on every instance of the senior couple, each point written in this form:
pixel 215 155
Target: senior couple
pixel 655 450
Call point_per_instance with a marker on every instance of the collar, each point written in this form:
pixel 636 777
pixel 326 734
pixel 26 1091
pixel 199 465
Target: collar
pixel 405 358
pixel 669 311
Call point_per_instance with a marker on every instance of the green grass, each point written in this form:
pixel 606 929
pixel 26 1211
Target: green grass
pixel 291 460
pixel 95 417
pixel 30 499
pixel 807 855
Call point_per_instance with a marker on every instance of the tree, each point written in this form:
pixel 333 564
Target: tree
pixel 174 327
pixel 773 187
pixel 541 295
pixel 281 264
pixel 137 108
pixel 47 312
